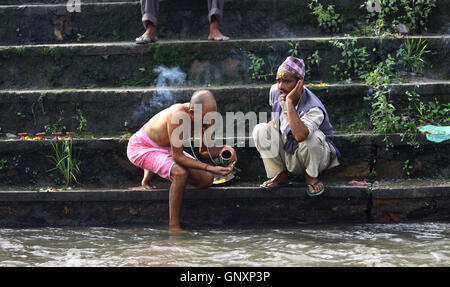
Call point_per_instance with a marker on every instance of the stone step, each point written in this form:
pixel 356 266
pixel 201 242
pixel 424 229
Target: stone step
pixel 104 111
pixel 203 62
pixel 231 206
pixel 118 21
pixel 103 162
pixel 40 2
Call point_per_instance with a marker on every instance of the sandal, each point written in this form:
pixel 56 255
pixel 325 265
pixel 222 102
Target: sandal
pixel 145 39
pixel 313 186
pixel 279 184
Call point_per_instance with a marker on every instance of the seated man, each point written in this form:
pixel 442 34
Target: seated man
pixel 158 148
pixel 150 8
pixel 304 136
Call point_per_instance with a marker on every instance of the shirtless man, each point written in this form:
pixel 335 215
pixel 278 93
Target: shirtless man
pixel 158 148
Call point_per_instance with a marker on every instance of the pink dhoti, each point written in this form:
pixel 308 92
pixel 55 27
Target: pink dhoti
pixel 146 154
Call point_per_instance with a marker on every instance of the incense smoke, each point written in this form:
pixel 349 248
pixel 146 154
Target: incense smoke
pixel 163 96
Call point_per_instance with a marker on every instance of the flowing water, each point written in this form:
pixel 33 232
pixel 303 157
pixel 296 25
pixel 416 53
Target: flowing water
pixel 421 244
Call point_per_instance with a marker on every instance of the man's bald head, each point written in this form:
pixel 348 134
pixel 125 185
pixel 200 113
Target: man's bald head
pixel 204 98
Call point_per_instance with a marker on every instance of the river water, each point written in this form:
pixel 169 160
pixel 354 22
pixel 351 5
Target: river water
pixel 421 244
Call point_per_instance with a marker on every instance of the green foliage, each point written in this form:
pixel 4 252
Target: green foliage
pixel 407 167
pixel 258 67
pixel 80 37
pixel 65 164
pixel 125 137
pixel 433 113
pixel 411 58
pixel 416 13
pixel 328 19
pixel 412 13
pixel 375 28
pixel 82 127
pixel 382 75
pixel 353 60
pixel 312 61
pixel 56 127
pixel 294 48
pixel 3 164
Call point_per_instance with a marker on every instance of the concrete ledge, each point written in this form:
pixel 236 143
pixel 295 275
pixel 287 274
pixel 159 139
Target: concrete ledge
pixel 410 202
pixel 212 207
pixel 333 191
pixel 103 162
pixel 113 21
pixel 106 110
pixel 230 206
pixel 128 64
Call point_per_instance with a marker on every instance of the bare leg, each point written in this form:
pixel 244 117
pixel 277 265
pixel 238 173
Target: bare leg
pixel 146 179
pixel 274 182
pixel 200 178
pixel 312 180
pixel 179 176
pixel 214 32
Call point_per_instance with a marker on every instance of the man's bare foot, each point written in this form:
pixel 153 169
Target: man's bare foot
pixel 217 36
pixel 145 183
pixel 176 229
pixel 313 184
pixel 214 32
pixel 148 187
pixel 280 180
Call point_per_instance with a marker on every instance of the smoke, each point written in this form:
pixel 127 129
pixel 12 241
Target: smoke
pixel 162 97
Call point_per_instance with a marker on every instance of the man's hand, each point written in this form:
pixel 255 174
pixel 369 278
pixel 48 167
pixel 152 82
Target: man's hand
pixel 220 170
pixel 272 124
pixel 296 92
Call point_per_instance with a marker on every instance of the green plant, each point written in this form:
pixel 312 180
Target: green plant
pixel 417 13
pixel 407 167
pixel 433 113
pixel 327 18
pixel 313 61
pixel 257 67
pixel 3 163
pixel 64 161
pixel 125 137
pixel 413 13
pixel 80 37
pixel 353 60
pixel 383 117
pixel 294 48
pixel 382 75
pixel 58 126
pixel 375 28
pixel 411 59
pixel 82 121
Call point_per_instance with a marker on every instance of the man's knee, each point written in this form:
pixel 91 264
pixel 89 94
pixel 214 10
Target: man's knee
pixel 260 130
pixel 179 173
pixel 206 181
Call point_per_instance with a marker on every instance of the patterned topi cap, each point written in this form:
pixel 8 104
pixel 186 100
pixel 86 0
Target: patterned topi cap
pixel 292 65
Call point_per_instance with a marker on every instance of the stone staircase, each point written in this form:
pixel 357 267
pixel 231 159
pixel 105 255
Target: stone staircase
pixel 62 70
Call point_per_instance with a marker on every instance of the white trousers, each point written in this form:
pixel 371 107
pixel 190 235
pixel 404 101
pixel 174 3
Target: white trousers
pixel 313 155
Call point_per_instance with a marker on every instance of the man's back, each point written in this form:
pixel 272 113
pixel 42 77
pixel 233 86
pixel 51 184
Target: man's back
pixel 157 127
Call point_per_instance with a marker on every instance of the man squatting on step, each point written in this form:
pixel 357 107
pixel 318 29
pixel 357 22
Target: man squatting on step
pixel 304 132
pixel 158 148
pixel 150 9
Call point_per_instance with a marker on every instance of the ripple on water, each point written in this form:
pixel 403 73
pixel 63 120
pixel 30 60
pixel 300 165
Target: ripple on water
pixel 424 244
